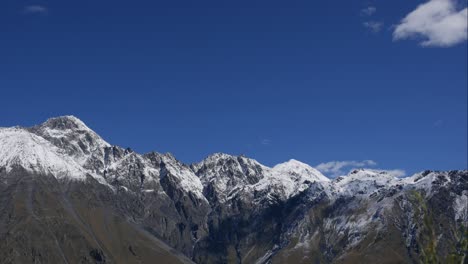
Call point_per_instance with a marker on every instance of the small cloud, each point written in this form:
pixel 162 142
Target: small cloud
pixel 265 142
pixel 36 9
pixel 368 11
pixel 373 26
pixel 439 23
pixel 438 123
pixel 337 168
pixel 396 173
pixel 340 168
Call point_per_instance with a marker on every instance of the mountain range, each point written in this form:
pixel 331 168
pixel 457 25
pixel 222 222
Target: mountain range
pixel 68 196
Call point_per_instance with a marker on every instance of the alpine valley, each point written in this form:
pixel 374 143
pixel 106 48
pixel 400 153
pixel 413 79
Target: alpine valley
pixel 68 196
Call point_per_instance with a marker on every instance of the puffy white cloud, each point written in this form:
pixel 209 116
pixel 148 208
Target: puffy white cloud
pixel 437 22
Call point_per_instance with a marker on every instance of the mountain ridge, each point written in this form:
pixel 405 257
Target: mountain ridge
pixel 58 128
pixel 226 208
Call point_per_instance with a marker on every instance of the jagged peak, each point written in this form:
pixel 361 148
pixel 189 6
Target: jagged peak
pixel 163 158
pixel 61 126
pixel 221 159
pixel 65 122
pixel 218 156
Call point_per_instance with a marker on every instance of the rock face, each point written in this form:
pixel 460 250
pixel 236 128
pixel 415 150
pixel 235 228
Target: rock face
pixel 68 196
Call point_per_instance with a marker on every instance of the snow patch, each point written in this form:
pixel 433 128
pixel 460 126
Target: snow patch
pixel 460 207
pixel 186 177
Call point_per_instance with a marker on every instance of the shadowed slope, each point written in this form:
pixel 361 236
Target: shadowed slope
pixel 44 221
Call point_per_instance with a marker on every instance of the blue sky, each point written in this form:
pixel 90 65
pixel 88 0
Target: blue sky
pixel 359 82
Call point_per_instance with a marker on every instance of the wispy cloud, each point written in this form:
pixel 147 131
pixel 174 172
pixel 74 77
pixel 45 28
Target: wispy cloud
pixel 438 123
pixel 337 168
pixel 439 23
pixel 265 142
pixel 368 11
pixel 373 26
pixel 36 9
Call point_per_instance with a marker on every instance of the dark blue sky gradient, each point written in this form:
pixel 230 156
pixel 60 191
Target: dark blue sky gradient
pixel 273 80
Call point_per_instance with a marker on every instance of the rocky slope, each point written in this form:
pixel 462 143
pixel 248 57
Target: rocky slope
pixel 68 196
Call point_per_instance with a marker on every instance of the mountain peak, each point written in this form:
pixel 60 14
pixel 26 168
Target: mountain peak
pixel 300 168
pixel 65 122
pixel 219 155
pixel 293 162
pixel 72 136
pixel 66 126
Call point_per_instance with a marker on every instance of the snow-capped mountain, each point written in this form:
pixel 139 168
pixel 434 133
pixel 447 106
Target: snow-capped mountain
pixel 225 176
pixel 365 182
pixel 20 148
pixel 223 209
pixel 77 140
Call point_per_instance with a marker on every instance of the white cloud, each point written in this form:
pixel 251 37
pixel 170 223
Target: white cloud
pixel 396 173
pixel 340 168
pixel 336 168
pixel 265 142
pixel 438 23
pixel 368 11
pixel 373 26
pixel 36 9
